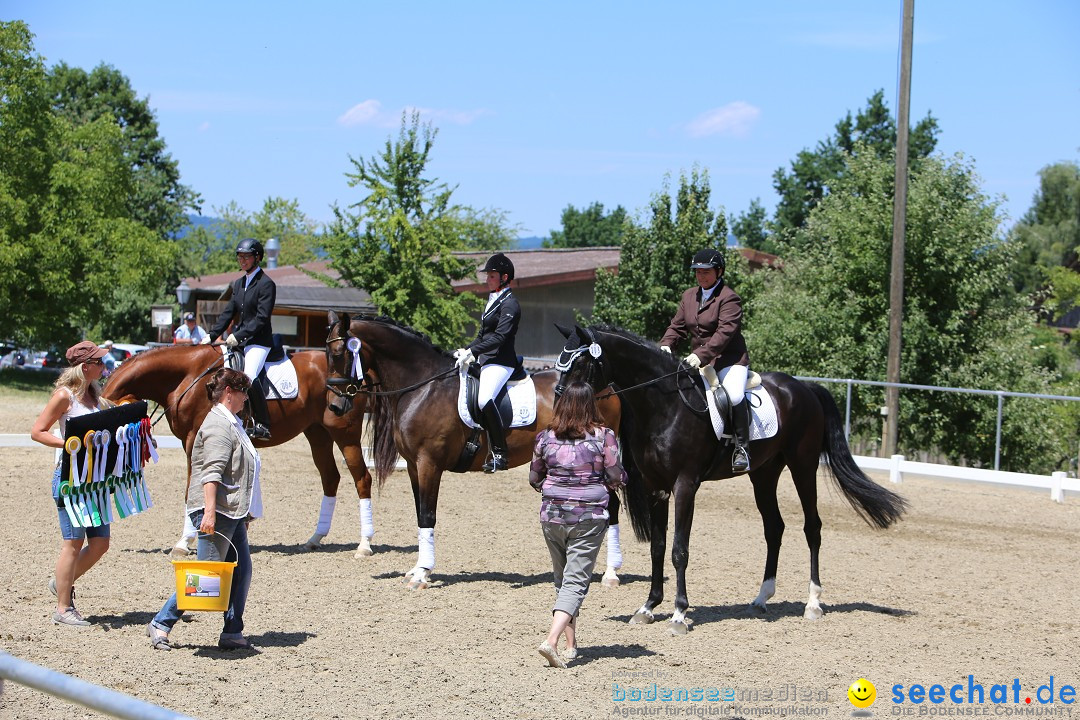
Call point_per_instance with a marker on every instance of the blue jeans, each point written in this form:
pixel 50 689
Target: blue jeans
pixel 67 530
pixel 216 547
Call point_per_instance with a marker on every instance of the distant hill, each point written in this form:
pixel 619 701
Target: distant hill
pixel 195 221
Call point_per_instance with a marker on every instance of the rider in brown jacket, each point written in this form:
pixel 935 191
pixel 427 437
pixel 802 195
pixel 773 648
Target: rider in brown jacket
pixel 710 316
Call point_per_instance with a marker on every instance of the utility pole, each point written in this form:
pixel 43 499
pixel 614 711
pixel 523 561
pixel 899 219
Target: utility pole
pixel 896 281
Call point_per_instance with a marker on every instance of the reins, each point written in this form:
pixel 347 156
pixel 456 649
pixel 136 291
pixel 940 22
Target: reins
pixel 655 380
pixel 410 388
pixel 193 383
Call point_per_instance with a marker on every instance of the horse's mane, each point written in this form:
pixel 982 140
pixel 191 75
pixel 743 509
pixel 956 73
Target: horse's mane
pixel 386 320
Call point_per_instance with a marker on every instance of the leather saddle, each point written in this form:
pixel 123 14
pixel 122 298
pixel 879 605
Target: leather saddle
pixel 276 354
pixel 502 400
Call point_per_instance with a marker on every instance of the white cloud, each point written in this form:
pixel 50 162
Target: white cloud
pixel 735 119
pixel 370 112
pixel 366 113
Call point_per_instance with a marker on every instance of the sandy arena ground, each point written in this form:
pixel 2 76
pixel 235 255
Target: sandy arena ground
pixel 976 580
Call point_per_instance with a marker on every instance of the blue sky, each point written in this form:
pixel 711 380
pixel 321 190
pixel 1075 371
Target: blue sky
pixel 544 105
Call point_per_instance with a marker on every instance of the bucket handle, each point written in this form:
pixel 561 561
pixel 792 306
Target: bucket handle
pixel 235 551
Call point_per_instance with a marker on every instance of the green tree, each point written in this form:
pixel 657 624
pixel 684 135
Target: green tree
pixel 398 240
pixel 825 313
pixel 589 228
pixel 813 174
pixel 71 255
pixel 209 249
pixel 158 199
pixel 751 228
pixel 1048 238
pixel 653 265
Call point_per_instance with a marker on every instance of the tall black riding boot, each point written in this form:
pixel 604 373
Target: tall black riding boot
pixel 740 458
pixel 260 414
pixel 496 439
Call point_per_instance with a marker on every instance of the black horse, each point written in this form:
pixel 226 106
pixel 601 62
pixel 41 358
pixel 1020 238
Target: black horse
pixel 669 447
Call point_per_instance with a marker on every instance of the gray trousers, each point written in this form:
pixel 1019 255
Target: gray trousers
pixel 573 551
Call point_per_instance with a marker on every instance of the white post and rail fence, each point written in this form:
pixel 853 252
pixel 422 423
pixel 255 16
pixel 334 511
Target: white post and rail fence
pixel 897 466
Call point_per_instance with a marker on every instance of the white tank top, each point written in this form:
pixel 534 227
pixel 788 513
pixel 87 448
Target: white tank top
pixel 77 409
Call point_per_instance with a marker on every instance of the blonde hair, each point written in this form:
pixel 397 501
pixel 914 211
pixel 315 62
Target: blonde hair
pixel 74 380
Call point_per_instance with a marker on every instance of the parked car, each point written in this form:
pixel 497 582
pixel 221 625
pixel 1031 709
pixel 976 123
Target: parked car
pixel 123 351
pixel 17 358
pixel 50 360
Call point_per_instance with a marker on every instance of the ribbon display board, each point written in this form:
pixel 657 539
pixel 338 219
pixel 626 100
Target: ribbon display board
pixel 101 467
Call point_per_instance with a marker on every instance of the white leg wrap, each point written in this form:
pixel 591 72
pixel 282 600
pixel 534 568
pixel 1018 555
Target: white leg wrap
pixel 190 530
pixel 614 549
pixel 813 609
pixel 367 523
pixel 425 538
pixel 768 589
pixel 326 514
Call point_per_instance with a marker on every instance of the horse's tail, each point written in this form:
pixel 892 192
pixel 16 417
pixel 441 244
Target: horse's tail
pixel 874 504
pixel 385 449
pixel 637 500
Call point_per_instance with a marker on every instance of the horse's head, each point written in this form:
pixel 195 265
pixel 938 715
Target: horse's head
pixel 345 374
pixel 582 359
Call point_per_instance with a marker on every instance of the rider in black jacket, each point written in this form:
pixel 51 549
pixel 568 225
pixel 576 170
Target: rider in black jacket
pixel 494 350
pixel 249 309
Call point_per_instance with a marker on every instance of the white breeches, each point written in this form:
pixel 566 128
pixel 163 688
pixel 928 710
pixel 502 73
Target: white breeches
pixel 492 379
pixel 254 357
pixel 733 379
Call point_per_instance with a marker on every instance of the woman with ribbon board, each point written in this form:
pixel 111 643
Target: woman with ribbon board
pixel 76 394
pixel 223 497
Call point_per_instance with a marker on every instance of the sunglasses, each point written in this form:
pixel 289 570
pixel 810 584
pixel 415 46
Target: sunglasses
pixel 99 361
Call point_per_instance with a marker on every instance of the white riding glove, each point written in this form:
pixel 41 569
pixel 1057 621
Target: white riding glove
pixel 464 357
pixel 693 361
pixel 205 340
pixel 665 348
pixel 232 342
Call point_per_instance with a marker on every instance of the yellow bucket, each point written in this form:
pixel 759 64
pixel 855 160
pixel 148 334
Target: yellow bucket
pixel 203 585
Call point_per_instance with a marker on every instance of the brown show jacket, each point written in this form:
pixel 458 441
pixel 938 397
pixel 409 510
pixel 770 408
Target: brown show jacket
pixel 715 331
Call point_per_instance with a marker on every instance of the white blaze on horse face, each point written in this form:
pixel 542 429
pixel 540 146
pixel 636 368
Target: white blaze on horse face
pixel 813 604
pixel 768 589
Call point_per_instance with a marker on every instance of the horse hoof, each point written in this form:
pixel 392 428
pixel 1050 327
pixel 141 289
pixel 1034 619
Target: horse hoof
pixel 641 618
pixel 813 613
pixel 756 609
pixel 417 585
pixel 679 628
pixel 363 550
pixel 609 582
pixel 313 542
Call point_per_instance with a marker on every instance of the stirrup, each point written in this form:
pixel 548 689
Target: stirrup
pixel 258 431
pixel 740 459
pixel 495 462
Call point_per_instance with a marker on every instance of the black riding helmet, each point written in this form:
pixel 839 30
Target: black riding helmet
pixel 501 264
pixel 250 245
pixel 708 258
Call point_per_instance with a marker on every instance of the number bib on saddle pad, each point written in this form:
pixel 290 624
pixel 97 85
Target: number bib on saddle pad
pixel 763 422
pixel 522 395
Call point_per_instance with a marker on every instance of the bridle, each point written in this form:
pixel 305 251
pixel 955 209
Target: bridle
pixel 350 385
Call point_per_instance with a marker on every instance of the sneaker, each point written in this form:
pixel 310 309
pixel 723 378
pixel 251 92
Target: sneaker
pixel 52 589
pixel 570 654
pixel 70 616
pixel 551 655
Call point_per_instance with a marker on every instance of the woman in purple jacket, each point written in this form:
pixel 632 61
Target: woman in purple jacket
pixel 575 466
pixel 710 316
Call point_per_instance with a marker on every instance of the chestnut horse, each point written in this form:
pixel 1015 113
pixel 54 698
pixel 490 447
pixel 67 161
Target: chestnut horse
pixel 670 447
pixel 175 378
pixel 416 415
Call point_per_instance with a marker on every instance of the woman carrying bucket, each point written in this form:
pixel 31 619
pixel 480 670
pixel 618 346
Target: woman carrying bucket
pixel 223 495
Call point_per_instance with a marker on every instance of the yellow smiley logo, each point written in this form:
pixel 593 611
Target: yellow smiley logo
pixel 862 693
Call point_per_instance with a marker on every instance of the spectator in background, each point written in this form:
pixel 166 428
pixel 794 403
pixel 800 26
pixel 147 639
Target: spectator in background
pixel 188 333
pixel 108 359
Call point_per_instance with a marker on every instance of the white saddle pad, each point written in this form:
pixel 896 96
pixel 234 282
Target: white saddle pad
pixel 522 401
pixel 763 422
pixel 282 376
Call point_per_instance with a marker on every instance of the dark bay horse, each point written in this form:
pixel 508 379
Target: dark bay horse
pixel 670 448
pixel 170 376
pixel 416 416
